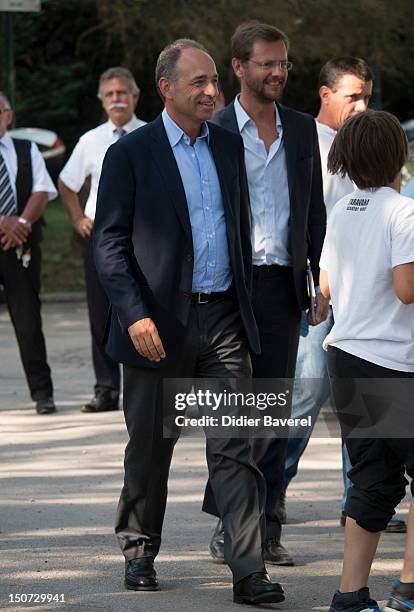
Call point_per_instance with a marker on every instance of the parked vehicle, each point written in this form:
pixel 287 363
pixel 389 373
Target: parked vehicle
pixel 408 127
pixel 50 145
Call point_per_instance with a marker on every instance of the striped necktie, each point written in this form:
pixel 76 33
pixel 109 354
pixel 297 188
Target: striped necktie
pixel 7 201
pixel 119 132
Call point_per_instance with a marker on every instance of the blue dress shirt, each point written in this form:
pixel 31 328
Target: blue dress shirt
pixel 198 172
pixel 268 190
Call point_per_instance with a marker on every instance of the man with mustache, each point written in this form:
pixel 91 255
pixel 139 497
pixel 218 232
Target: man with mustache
pixel 288 227
pixel 119 95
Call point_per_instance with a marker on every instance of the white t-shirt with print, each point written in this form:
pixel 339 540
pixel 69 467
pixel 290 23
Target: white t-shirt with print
pixel 368 234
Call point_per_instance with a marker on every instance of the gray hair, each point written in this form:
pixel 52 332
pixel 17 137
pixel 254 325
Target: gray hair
pixel 167 60
pixel 5 100
pixel 118 72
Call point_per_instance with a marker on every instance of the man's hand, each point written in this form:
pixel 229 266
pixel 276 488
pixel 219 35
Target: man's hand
pixel 147 342
pixel 83 225
pixel 321 312
pixel 13 232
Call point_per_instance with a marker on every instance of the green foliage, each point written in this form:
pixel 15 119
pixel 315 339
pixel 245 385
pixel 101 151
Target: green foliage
pixel 62 268
pixel 61 51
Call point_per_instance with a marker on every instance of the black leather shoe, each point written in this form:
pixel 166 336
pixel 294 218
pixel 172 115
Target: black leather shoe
pixel 257 589
pixel 140 575
pixel 102 402
pixel 396 526
pixel 217 543
pixel 280 509
pixel 45 406
pixel 275 553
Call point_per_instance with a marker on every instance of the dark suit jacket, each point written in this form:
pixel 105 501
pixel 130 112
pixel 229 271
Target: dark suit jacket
pixel 307 221
pixel 143 242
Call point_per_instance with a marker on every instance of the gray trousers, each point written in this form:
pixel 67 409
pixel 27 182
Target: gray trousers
pixel 214 346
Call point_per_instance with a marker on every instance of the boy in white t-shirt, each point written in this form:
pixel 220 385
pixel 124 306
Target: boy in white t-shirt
pixel 367 268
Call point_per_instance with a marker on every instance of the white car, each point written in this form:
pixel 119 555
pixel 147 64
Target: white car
pixel 50 145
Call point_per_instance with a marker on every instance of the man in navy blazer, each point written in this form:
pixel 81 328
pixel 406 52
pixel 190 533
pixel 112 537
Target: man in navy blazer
pixel 288 228
pixel 173 252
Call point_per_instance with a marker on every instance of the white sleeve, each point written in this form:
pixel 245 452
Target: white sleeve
pixel 323 262
pixel 402 235
pixel 326 249
pixel 41 178
pixel 76 168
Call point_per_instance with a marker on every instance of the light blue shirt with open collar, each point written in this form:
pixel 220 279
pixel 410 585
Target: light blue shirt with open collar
pixel 268 190
pixel 198 172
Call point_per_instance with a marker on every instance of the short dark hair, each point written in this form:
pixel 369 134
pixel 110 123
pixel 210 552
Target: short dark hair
pixel 371 148
pixel 167 60
pixel 118 72
pixel 336 68
pixel 248 33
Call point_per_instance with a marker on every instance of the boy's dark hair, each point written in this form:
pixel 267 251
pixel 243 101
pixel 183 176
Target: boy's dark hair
pixel 335 69
pixel 248 33
pixel 371 148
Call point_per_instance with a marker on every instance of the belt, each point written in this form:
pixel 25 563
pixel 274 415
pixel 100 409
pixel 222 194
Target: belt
pixel 206 298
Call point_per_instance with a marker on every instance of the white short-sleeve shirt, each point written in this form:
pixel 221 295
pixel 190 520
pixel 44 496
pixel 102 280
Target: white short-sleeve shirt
pixel 87 158
pixel 335 186
pixel 41 178
pixel 368 234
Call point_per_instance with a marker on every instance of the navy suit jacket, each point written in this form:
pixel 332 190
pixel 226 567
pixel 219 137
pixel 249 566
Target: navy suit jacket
pixel 307 220
pixel 142 237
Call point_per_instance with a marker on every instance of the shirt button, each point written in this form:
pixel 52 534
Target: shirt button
pixel 189 257
pixel 207 207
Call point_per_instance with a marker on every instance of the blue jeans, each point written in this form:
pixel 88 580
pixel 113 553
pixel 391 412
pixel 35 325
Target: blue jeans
pixel 346 466
pixel 309 396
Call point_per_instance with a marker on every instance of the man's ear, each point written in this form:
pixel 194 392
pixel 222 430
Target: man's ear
pixel 10 118
pixel 325 94
pixel 237 67
pixel 166 88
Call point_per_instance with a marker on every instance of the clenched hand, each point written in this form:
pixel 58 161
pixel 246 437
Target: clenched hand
pixel 147 342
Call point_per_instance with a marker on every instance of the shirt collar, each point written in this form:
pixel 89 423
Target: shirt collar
pixel 243 118
pixel 175 133
pixel 325 128
pixel 6 141
pixel 132 124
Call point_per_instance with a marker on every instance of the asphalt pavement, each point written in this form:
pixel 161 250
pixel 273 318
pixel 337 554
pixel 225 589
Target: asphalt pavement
pixel 60 478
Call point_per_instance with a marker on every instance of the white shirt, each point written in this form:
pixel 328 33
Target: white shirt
pixel 41 178
pixel 334 186
pixel 268 191
pixel 368 234
pixel 87 157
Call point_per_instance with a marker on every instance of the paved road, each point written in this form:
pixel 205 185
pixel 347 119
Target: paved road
pixel 60 480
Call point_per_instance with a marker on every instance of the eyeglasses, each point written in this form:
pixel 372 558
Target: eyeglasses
pixel 4 110
pixel 282 64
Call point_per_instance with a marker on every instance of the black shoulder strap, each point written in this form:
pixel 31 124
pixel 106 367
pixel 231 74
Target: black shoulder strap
pixel 24 177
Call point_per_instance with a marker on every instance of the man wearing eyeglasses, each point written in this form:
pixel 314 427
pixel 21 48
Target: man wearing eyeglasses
pixel 288 227
pixel 25 188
